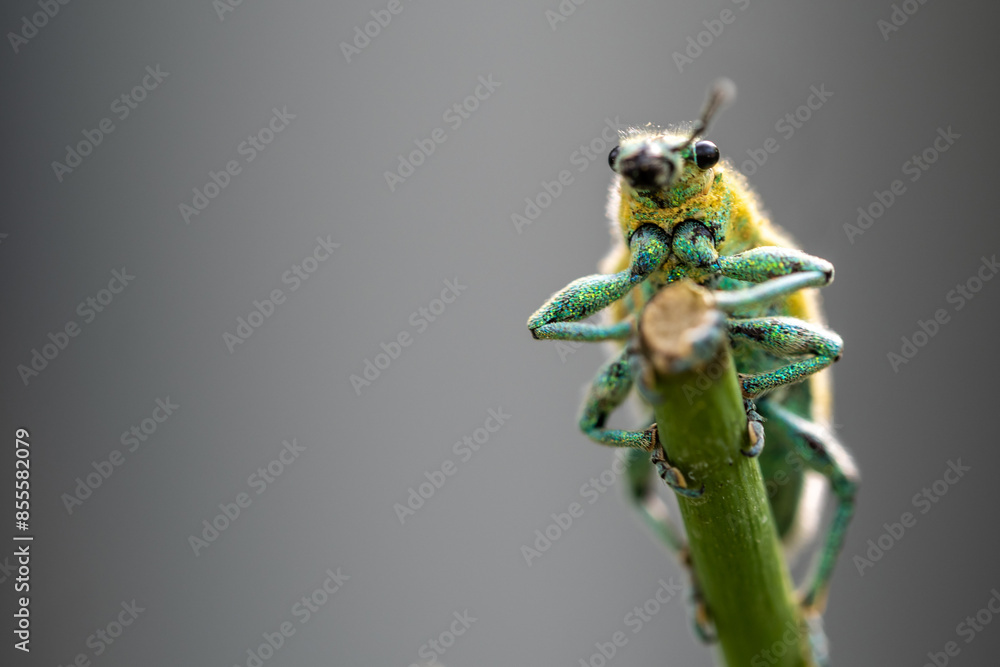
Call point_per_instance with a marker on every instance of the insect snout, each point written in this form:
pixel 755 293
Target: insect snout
pixel 647 168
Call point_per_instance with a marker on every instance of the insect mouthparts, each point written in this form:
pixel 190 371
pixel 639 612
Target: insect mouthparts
pixel 647 170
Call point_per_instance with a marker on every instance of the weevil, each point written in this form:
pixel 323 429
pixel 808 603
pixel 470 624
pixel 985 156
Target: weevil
pixel 678 211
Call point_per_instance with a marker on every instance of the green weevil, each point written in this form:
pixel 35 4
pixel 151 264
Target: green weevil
pixel 678 211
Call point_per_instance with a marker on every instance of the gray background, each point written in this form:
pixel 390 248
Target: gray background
pixel 323 175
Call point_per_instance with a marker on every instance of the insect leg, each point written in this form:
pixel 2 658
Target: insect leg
pixel 759 295
pixel 584 297
pixel 817 641
pixel 584 331
pixel 755 424
pixel 785 337
pixel 608 390
pixel 760 264
pixel 694 245
pixel 656 516
pixel 823 453
pixel 701 620
pixel 653 511
pixel 778 272
pixel 670 474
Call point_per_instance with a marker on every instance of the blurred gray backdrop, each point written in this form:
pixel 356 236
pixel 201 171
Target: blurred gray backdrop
pixel 200 247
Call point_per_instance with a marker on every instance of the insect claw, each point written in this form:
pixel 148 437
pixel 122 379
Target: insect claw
pixel 654 442
pixel 673 477
pixel 702 621
pixel 755 428
pixel 818 644
pixel 813 603
pixel 756 439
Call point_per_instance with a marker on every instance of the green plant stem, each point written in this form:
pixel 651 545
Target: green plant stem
pixel 731 533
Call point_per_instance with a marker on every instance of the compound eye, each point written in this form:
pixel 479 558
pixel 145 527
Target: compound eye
pixel 706 154
pixel 612 156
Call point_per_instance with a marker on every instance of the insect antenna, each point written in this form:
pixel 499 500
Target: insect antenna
pixel 720 95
